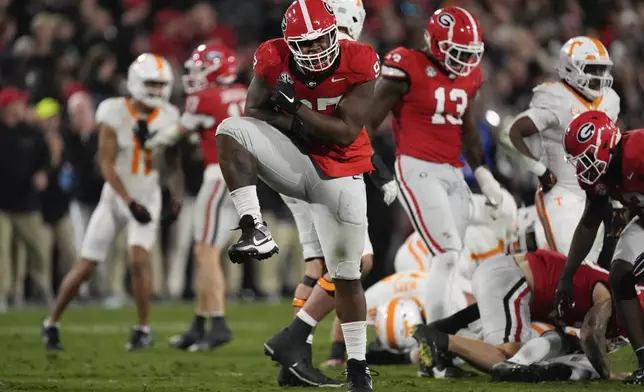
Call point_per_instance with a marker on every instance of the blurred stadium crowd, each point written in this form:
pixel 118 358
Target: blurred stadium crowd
pixel 62 57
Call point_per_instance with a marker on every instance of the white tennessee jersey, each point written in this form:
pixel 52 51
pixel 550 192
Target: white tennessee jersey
pixel 134 164
pixel 552 108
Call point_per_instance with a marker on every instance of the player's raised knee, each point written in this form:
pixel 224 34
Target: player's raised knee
pixel 345 270
pixel 622 280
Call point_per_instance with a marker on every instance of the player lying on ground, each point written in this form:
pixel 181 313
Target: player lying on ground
pixel 131 195
pixel 512 290
pixel 304 136
pixel 584 68
pixel 212 97
pixel 429 93
pixel 485 237
pixel 608 165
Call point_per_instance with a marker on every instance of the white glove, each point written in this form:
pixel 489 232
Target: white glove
pixel 164 137
pixel 193 121
pixel 489 185
pixel 390 192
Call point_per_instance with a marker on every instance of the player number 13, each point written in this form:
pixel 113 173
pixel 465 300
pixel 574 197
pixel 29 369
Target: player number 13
pixel 456 95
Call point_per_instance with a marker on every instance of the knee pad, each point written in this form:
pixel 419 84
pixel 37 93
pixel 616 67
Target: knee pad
pixel 622 280
pixel 347 270
pixel 327 286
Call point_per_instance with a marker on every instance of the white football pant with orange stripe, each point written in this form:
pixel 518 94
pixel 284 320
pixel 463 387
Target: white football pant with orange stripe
pixel 560 211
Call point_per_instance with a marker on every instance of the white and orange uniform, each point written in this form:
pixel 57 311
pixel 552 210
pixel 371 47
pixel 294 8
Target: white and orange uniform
pixel 138 173
pixel 551 109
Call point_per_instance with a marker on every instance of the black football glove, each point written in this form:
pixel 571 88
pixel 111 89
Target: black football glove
pixel 283 98
pixel 139 212
pixel 564 296
pixel 171 212
pixel 383 179
pixel 547 181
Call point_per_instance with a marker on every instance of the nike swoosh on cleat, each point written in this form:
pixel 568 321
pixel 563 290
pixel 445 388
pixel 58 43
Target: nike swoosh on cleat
pixel 261 242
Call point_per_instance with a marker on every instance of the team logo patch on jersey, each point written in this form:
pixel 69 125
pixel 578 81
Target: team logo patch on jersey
pixel 328 7
pixel 446 20
pixel 430 71
pixel 286 78
pixel 586 131
pixel 311 83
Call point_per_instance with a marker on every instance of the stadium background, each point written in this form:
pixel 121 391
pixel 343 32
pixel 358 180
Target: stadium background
pixel 52 49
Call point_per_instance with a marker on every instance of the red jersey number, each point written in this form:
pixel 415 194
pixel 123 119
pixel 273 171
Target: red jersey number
pixel 457 96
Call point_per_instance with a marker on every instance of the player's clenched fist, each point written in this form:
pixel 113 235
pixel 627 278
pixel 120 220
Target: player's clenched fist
pixel 284 98
pixel 139 212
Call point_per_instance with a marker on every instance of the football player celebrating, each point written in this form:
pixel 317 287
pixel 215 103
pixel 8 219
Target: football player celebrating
pixel 212 97
pixel 585 80
pixel 608 164
pixel 429 92
pixel 304 136
pixel 131 195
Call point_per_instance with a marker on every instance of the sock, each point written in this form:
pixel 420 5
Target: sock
pixel 47 323
pixel 300 329
pixel 355 339
pixel 144 328
pixel 246 202
pixel 338 351
pixel 438 280
pixel 304 316
pixel 639 353
pixel 218 322
pixel 459 320
pixel 538 349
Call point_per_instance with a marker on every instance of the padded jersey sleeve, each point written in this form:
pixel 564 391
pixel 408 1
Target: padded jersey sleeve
pixel 267 61
pixel 396 65
pixel 610 104
pixel 545 107
pixel 106 113
pixel 365 63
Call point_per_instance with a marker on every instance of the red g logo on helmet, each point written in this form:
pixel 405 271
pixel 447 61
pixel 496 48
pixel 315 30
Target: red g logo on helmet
pixel 585 132
pixel 446 20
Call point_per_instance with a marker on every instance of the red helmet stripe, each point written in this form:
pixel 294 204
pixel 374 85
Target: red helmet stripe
pixel 305 14
pixel 475 29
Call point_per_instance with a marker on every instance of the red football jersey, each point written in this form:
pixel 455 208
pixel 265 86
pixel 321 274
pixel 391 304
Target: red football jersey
pixel 630 191
pixel 220 103
pixel 547 267
pixel 427 120
pixel 357 63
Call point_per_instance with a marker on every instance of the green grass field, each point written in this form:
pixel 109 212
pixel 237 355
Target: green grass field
pixel 95 360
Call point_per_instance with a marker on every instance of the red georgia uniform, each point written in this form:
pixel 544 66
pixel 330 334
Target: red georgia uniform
pixel 630 191
pixel 220 103
pixel 427 120
pixel 357 63
pixel 547 267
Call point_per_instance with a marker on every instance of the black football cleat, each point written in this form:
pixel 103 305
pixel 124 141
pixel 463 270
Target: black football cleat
pixel 193 338
pixel 358 376
pixel 256 242
pixel 139 340
pixel 51 337
pixel 295 359
pixel 432 347
pixel 637 378
pixel 508 371
pixel 218 335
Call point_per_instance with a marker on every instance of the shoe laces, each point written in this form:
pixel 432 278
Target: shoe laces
pixel 367 372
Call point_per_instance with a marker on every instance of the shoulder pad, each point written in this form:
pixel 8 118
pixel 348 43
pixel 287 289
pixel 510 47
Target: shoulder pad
pixel 610 104
pixel 107 111
pixel 268 55
pixel 363 60
pixel 551 96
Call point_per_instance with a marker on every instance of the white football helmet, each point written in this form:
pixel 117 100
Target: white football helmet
pixel 395 322
pixel 350 14
pixel 584 63
pixel 149 69
pixel 527 233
